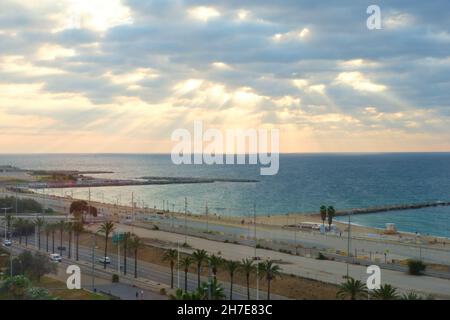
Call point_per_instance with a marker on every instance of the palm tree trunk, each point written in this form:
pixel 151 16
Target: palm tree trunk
pixel 69 254
pixel 53 241
pixel 78 239
pixel 135 263
pixel 46 236
pixel 185 280
pixel 268 289
pixel 39 238
pixel 248 286
pixel 106 252
pixel 26 239
pixel 60 242
pixel 125 257
pixel 171 275
pixel 198 275
pixel 231 287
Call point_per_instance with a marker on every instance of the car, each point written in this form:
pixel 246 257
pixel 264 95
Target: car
pixel 61 248
pixel 55 257
pixel 7 243
pixel 104 260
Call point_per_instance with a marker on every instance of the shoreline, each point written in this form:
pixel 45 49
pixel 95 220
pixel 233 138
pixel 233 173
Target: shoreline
pixel 279 221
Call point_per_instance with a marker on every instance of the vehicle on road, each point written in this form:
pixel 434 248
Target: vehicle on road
pixel 7 243
pixel 61 248
pixel 104 260
pixel 55 257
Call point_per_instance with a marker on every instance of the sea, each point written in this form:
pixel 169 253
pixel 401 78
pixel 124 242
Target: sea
pixel 304 183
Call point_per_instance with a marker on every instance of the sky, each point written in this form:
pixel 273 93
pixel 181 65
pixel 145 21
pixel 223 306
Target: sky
pixel 122 75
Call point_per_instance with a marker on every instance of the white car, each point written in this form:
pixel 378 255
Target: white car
pixel 104 260
pixel 7 243
pixel 55 257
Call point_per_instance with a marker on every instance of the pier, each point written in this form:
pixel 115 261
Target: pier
pixel 393 208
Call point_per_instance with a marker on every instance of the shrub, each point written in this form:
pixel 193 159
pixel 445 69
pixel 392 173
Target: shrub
pixel 163 291
pixel 115 278
pixel 320 256
pixel 416 267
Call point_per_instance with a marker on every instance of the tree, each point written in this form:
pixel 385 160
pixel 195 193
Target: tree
pixel 385 292
pixel 69 229
pixel 211 290
pixel 80 208
pixel 39 223
pixel 48 229
pixel 27 229
pixel 9 223
pixel 17 286
pixel 32 266
pixel 331 213
pixel 247 266
pixel 185 263
pixel 135 243
pixel 19 226
pixel 53 230
pixel 106 228
pixel 199 257
pixel 183 295
pixel 215 262
pixel 323 214
pixel 171 256
pixel 78 228
pixel 354 289
pixel 126 238
pixel 416 267
pixel 270 271
pixel 61 225
pixel 231 266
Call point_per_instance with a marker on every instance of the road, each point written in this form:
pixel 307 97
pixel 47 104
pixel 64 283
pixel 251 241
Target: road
pixel 375 247
pixel 148 271
pixel 326 271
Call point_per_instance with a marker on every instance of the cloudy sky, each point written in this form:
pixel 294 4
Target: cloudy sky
pixel 121 75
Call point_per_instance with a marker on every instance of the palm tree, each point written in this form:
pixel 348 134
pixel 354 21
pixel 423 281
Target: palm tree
pixel 28 228
pixel 185 263
pixel 53 230
pixel 126 238
pixel 211 290
pixel 77 228
pixel 352 288
pixel 270 271
pixel 199 257
pixel 323 214
pixel 385 292
pixel 9 222
pixel 171 256
pixel 135 243
pixel 247 266
pixel 48 229
pixel 69 229
pixel 19 227
pixel 215 262
pixel 39 223
pixel 106 228
pixel 411 295
pixel 231 266
pixel 61 225
pixel 331 213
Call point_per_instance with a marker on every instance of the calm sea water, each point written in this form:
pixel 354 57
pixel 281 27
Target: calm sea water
pixel 304 182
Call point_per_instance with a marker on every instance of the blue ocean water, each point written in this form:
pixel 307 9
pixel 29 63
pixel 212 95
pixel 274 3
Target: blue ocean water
pixel 304 182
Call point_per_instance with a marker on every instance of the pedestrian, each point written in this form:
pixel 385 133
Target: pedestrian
pixel 137 295
pixel 142 294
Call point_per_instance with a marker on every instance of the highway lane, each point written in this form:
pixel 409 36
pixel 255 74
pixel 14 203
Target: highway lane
pixel 153 272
